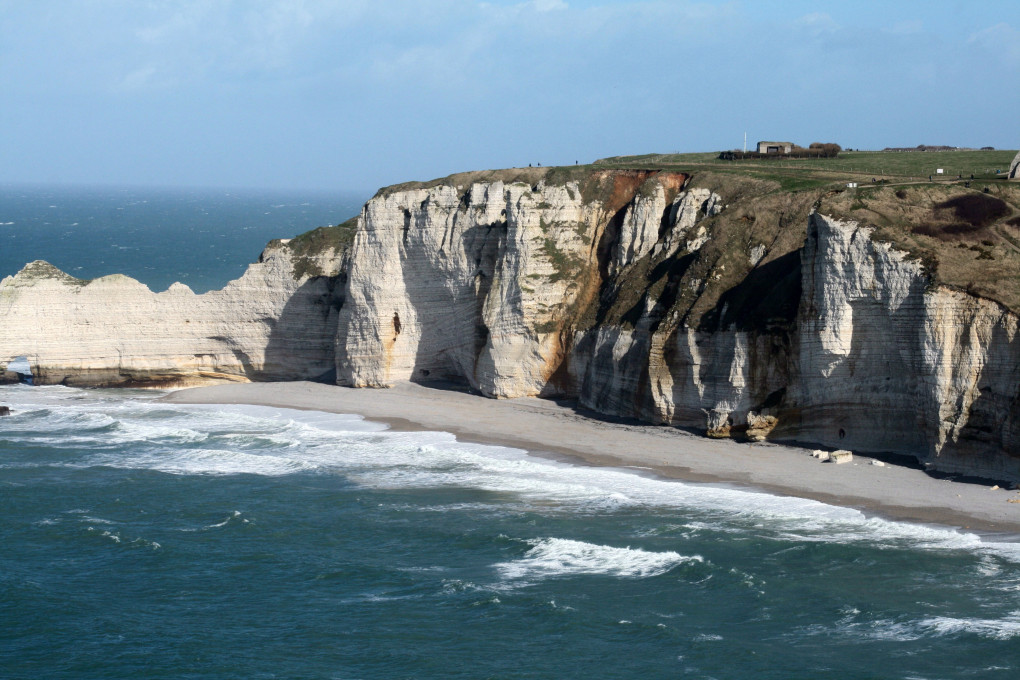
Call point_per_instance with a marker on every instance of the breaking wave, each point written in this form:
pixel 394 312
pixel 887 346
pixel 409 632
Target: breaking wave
pixel 552 557
pixel 139 432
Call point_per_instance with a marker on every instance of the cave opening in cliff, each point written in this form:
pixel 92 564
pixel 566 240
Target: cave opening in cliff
pixel 23 369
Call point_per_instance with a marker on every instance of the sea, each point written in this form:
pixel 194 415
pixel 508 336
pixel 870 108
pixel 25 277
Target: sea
pixel 144 539
pixel 200 237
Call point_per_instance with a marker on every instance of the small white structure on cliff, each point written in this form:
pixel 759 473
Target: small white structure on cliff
pixel 775 147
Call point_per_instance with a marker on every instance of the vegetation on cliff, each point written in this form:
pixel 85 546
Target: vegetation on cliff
pixel 967 233
pixel 850 166
pixel 40 269
pixel 307 246
pixel 965 226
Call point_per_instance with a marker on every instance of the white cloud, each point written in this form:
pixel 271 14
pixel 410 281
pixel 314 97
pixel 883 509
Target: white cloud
pixel 138 78
pixel 911 27
pixel 547 5
pixel 1001 39
pixel 817 23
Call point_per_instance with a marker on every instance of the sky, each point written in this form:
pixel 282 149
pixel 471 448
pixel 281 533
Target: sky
pixel 358 94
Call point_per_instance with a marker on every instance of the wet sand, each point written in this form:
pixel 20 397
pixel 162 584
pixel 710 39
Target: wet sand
pixel 549 428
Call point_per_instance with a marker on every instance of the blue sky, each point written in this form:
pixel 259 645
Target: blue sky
pixel 358 94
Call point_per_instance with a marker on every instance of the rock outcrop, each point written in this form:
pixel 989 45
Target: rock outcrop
pixel 652 297
pixel 466 286
pixel 1014 167
pixel 482 283
pixel 890 362
pixel 270 324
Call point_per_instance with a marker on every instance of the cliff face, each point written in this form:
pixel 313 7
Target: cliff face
pixel 484 284
pixel 583 291
pixel 267 325
pixel 889 362
pixel 661 298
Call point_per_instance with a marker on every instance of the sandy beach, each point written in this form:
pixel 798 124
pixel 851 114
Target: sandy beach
pixel 548 428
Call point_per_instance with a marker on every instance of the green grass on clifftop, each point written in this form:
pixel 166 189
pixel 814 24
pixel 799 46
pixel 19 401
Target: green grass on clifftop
pixel 795 174
pixel 966 231
pixel 323 238
pixel 305 247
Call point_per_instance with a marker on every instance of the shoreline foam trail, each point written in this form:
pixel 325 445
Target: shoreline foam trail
pixel 549 428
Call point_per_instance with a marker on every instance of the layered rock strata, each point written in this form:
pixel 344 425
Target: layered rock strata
pixel 485 283
pixel 890 362
pixel 270 324
pixel 646 303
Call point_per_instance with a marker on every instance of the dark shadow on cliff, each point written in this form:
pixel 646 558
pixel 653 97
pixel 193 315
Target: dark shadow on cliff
pixel 767 296
pixel 302 339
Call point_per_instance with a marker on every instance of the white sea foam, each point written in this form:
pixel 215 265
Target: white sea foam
pixel 232 517
pixel 238 439
pixel 551 557
pixel 116 538
pixel 1005 628
pixel 558 486
pixel 996 629
pixel 707 637
pixel 105 534
pixel 204 462
pixel 95 520
pixel 318 420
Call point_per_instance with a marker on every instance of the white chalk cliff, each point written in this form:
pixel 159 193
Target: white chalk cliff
pixel 267 325
pixel 889 362
pixel 517 290
pixel 708 302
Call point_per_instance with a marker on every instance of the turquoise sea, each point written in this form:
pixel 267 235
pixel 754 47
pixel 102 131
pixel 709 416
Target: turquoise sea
pixel 141 539
pixel 201 237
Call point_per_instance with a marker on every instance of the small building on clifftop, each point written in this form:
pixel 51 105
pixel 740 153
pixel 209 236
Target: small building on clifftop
pixel 775 147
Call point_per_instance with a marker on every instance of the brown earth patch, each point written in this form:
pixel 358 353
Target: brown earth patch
pixel 976 210
pixel 967 238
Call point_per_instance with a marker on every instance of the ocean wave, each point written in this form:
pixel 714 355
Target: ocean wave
pixel 237 439
pixel 314 421
pixel 256 440
pixel 560 487
pixel 554 557
pixel 117 539
pixel 235 516
pixel 1005 628
pixel 203 462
